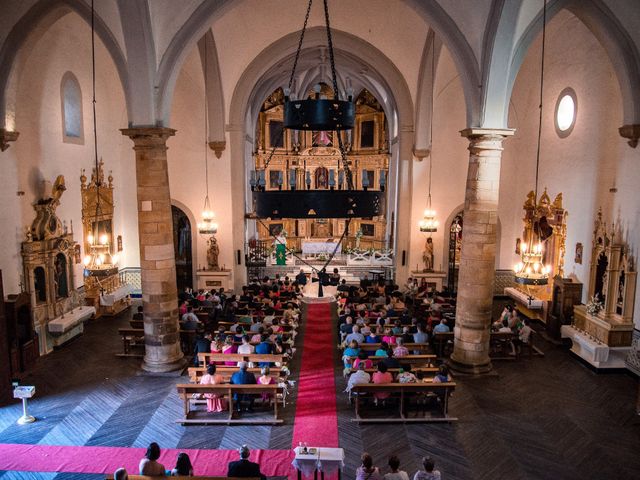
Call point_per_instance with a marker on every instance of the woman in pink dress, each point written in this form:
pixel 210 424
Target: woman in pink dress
pixel 266 379
pixel 216 347
pixel 389 337
pixel 382 376
pixel 229 347
pixel 215 402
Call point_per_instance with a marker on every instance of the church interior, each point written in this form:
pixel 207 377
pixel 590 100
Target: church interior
pixel 213 204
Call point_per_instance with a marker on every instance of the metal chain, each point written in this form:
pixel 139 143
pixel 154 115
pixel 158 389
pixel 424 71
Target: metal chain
pixel 304 29
pixel 334 78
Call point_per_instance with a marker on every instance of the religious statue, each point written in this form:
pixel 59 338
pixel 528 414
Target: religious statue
pixel 212 254
pixel 358 237
pixel 427 255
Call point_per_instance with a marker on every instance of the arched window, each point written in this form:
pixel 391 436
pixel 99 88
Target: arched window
pixel 71 96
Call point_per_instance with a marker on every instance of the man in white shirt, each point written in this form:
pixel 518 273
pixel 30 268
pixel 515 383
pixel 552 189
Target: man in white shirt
pixel 358 377
pixel 190 320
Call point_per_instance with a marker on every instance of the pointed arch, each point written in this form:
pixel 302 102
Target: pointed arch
pixel 215 98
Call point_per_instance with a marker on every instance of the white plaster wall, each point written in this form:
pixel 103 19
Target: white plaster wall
pixel 583 166
pixel 41 154
pixel 450 164
pixel 186 162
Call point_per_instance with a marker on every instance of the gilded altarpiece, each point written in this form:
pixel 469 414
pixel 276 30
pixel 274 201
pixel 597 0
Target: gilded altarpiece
pixel 48 256
pixel 612 281
pixel 316 159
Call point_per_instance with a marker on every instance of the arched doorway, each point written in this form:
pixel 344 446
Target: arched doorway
pixel 182 248
pixel 455 247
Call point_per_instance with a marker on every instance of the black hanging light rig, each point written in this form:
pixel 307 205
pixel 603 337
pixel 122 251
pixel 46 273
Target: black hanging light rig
pixel 341 199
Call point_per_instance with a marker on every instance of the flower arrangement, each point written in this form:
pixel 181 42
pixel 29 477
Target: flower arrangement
pixel 594 305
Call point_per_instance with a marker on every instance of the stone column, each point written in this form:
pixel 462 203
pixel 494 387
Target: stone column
pixel 477 262
pixel 157 262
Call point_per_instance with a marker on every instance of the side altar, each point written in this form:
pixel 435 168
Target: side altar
pixel 612 288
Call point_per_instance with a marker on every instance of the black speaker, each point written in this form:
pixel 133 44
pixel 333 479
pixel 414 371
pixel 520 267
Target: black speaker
pixel 238 257
pixel 404 257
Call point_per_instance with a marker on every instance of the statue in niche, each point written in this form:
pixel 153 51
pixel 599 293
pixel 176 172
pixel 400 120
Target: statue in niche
pixel 212 254
pixel 60 279
pixel 427 255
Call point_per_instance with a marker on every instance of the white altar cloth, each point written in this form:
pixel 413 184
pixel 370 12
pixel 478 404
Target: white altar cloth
pixel 70 319
pixel 584 346
pixel 315 247
pixel 327 460
pixel 532 303
pixel 108 299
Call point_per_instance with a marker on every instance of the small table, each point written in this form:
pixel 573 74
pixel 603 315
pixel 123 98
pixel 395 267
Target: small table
pixel 323 459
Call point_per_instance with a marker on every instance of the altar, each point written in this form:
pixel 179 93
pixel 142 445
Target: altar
pixel 316 247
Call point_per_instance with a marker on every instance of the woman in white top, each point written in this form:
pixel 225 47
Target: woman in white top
pixel 396 473
pixel 246 348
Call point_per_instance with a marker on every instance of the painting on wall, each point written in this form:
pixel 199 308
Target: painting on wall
pixel 578 258
pixel 518 246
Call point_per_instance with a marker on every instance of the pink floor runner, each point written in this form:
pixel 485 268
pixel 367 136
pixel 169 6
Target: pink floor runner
pixel 316 423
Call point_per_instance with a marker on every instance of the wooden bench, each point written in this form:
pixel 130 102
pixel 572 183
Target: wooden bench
pixel 196 373
pixel 426 359
pixel 422 347
pixel 187 391
pixel 135 337
pixel 441 390
pixel 229 324
pixel 207 358
pixel 197 477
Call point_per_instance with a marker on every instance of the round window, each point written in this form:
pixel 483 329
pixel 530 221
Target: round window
pixel 566 108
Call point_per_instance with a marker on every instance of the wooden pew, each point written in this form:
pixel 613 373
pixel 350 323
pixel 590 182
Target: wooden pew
pixel 426 359
pixel 197 477
pixel 206 358
pixel 423 347
pixel 443 390
pixel 196 373
pixel 395 371
pixel 135 337
pixel 247 325
pixel 187 390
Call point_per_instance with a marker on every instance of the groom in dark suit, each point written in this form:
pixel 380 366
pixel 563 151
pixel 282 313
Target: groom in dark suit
pixel 243 467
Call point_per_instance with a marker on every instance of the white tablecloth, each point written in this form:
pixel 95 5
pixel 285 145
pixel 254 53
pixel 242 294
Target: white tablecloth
pixel 533 303
pixel 583 345
pixel 328 460
pixel 320 247
pixel 108 299
pixel 70 319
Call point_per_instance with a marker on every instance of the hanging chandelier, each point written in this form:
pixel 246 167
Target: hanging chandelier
pixel 429 224
pixel 341 199
pixel 207 226
pixel 99 262
pixel 531 270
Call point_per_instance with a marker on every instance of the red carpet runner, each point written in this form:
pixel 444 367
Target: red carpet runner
pixel 316 420
pixel 316 423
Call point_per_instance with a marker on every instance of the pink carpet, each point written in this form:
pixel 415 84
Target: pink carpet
pixel 46 458
pixel 316 421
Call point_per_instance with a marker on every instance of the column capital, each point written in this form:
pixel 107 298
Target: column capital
pixel 6 137
pixel 474 132
pixel 218 147
pixel 148 136
pixel 632 132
